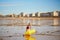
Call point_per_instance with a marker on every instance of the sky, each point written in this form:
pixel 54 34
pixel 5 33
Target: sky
pixel 28 6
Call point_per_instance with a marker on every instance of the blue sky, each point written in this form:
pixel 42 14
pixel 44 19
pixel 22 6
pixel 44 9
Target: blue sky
pixel 28 6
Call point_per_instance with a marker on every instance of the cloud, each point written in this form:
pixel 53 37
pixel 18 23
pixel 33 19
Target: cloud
pixel 12 4
pixel 7 4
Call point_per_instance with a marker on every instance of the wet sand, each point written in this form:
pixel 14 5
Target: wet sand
pixel 37 37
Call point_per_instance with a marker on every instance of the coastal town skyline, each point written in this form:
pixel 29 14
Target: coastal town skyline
pixel 36 14
pixel 28 6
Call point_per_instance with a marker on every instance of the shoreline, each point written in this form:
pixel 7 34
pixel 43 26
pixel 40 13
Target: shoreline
pixel 13 18
pixel 23 25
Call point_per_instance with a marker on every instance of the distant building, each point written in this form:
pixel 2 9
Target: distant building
pixel 33 14
pixel 1 15
pixel 47 14
pixel 50 14
pixel 37 14
pixel 59 13
pixel 30 15
pixel 11 15
pixel 55 13
pixel 26 15
pixel 21 14
pixel 8 15
pixel 44 14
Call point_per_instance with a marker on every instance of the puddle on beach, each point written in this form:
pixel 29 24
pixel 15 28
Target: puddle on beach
pixel 16 33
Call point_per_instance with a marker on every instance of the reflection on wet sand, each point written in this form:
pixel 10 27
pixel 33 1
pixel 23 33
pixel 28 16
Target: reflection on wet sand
pixel 34 22
pixel 29 38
